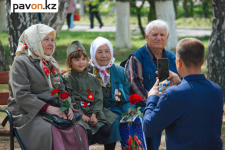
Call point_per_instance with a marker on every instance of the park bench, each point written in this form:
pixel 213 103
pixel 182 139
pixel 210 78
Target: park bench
pixel 4 79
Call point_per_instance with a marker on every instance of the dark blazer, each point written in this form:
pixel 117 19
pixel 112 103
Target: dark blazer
pixel 191 113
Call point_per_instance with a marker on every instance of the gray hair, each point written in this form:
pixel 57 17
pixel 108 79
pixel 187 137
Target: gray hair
pixel 157 23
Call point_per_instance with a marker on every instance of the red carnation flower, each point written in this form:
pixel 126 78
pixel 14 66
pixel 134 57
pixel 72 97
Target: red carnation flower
pixel 54 91
pixel 64 95
pixel 134 98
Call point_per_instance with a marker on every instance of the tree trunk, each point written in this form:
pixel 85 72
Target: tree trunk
pixel 140 24
pixel 175 4
pixel 165 11
pixel 56 20
pixel 123 34
pixel 3 22
pixel 18 22
pixel 186 13
pixel 216 49
pixel 151 14
pixel 192 7
pixel 4 65
pixel 138 10
pixel 81 10
pixel 205 9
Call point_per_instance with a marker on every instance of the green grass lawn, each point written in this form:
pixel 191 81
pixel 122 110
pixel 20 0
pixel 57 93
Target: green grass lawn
pixel 196 21
pixel 181 22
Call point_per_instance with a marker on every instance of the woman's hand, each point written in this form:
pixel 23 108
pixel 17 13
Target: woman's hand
pixel 93 120
pixel 85 118
pixel 70 114
pixel 77 111
pixel 56 111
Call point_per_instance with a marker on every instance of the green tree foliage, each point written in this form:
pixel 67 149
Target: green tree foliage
pixel 175 3
pixel 188 11
pixel 206 6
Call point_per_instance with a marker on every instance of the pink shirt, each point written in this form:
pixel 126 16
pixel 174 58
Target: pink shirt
pixel 72 7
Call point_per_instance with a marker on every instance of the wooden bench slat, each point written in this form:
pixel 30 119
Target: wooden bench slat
pixel 4 132
pixel 4 77
pixel 4 98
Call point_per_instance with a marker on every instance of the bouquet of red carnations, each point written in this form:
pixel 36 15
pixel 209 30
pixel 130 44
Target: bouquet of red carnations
pixel 65 106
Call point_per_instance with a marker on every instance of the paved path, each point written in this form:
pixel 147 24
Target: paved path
pixel 181 31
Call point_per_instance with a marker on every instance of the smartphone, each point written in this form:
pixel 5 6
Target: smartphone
pixel 163 69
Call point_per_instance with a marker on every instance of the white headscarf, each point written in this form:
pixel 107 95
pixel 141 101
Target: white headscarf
pixel 30 42
pixel 99 41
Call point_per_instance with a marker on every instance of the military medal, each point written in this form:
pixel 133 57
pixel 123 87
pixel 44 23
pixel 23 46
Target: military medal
pixel 90 96
pixel 117 95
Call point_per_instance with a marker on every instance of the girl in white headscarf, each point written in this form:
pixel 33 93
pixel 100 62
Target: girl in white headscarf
pixel 116 89
pixel 33 76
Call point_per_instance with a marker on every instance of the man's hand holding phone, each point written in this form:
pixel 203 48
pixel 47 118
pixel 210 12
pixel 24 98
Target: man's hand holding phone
pixel 165 77
pixel 173 78
pixel 155 89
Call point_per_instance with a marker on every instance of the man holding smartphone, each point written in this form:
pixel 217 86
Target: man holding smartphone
pixel 191 110
pixel 142 65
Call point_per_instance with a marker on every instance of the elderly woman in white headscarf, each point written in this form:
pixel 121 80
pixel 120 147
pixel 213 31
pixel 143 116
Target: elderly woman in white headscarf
pixel 33 76
pixel 116 89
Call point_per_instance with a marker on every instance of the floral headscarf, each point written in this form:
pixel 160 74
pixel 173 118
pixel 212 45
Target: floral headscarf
pixel 30 42
pixel 99 41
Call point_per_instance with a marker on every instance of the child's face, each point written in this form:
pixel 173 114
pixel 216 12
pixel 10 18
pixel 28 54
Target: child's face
pixel 79 64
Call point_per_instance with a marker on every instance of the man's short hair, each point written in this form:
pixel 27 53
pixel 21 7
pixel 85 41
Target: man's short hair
pixel 157 23
pixel 191 51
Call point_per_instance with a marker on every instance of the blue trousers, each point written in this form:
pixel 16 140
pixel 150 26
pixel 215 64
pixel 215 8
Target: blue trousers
pixel 154 142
